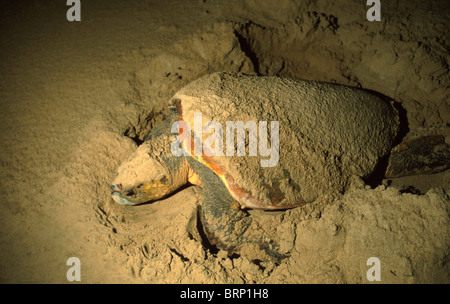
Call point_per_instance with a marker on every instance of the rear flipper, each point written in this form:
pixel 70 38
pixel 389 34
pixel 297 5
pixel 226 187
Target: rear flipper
pixel 226 225
pixel 421 155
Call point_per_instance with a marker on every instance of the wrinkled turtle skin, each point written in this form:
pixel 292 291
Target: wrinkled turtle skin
pixel 327 134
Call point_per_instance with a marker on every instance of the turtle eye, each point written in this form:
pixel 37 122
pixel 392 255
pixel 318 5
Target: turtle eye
pixel 163 179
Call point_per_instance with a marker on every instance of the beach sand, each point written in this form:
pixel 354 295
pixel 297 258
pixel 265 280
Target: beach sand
pixel 77 97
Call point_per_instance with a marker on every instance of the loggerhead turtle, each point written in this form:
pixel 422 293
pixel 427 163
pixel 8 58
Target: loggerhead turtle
pixel 327 134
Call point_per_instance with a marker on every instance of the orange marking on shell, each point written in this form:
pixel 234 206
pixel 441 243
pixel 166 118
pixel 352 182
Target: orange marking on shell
pixel 240 194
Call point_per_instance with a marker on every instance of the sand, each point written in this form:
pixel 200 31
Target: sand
pixel 78 97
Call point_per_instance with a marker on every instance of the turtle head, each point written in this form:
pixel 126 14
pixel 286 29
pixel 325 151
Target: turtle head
pixel 141 192
pixel 145 176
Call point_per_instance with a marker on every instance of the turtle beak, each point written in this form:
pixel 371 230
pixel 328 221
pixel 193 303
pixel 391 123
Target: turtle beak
pixel 116 188
pixel 142 193
pixel 118 197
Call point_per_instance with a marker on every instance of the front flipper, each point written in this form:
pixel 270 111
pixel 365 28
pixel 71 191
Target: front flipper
pixel 225 224
pixel 164 127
